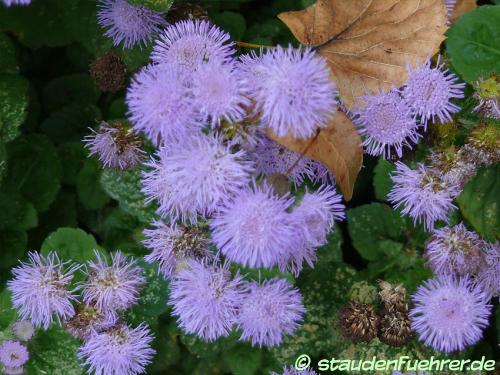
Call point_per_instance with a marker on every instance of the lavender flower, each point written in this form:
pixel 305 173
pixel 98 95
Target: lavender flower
pixel 387 124
pixel 220 93
pixel 449 313
pixel 455 251
pixel 295 96
pixel 195 177
pixel 120 350
pixel 255 229
pixel 89 320
pixel 160 104
pixel 272 158
pixel 115 145
pixel 23 330
pixel 171 245
pixel 489 276
pixel 422 195
pixel 251 68
pixel 39 289
pixel 13 355
pixel 205 298
pixel 429 91
pixel 270 311
pixel 16 2
pixel 292 371
pixel 128 23
pixel 316 214
pixel 190 44
pixel 112 287
pixel 450 5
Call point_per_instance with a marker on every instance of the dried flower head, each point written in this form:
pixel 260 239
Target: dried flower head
pixel 194 177
pixel 255 229
pixel 112 287
pixel 40 289
pixel 23 330
pixel 429 91
pixel 109 72
pixel 115 145
pixel 171 245
pixel 87 320
pixel 119 350
pixel 358 321
pixel 127 23
pixel 455 167
pixel 295 96
pixel 13 354
pixel 206 298
pixel 191 43
pixel 450 313
pixel 269 311
pixel 483 144
pixel 187 11
pixel 455 251
pixel 387 124
pixel 393 296
pixel 394 328
pixel 488 96
pixel 422 194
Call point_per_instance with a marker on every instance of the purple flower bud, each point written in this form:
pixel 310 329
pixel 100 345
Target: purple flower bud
pixel 13 354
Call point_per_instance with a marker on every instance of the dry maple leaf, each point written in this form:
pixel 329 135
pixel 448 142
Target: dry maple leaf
pixel 461 7
pixel 368 43
pixel 337 146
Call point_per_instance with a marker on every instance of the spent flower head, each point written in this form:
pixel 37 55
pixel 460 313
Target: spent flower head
pixel 23 330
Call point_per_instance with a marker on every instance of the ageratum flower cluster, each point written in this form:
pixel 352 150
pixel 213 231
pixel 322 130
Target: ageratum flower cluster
pixel 43 291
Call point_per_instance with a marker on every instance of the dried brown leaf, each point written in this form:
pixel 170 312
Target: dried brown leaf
pixel 368 43
pixel 462 7
pixel 337 146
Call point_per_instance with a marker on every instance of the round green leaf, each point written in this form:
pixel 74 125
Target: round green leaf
pixel 473 43
pixel 90 192
pixel 382 182
pixel 8 57
pixel 70 244
pixel 13 104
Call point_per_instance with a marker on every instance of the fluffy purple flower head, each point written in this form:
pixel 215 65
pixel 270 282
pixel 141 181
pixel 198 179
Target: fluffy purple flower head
pixel 161 104
pixel 40 289
pixel 23 330
pixel 88 320
pixel 255 229
pixel 450 313
pixel 295 96
pixel 13 354
pixel 112 287
pixel 272 158
pixel 270 311
pixel 251 68
pixel 428 92
pixel 422 195
pixel 387 124
pixel 205 298
pixel 195 177
pixel 120 350
pixel 455 251
pixel 171 245
pixel 292 371
pixel 489 276
pixel 316 213
pixel 190 44
pixel 129 23
pixel 115 146
pixel 16 2
pixel 220 93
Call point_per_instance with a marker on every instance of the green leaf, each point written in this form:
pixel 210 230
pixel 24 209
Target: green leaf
pixel 13 245
pixel 13 105
pixel 73 156
pixel 382 182
pixel 34 169
pixel 231 22
pixel 369 225
pixel 157 5
pixel 78 89
pixel 125 187
pixel 70 244
pixel 3 161
pixel 54 352
pixel 8 58
pixel 153 300
pixel 16 212
pixel 7 313
pixel 472 43
pixel 480 202
pixel 136 57
pixel 90 192
pixel 243 359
